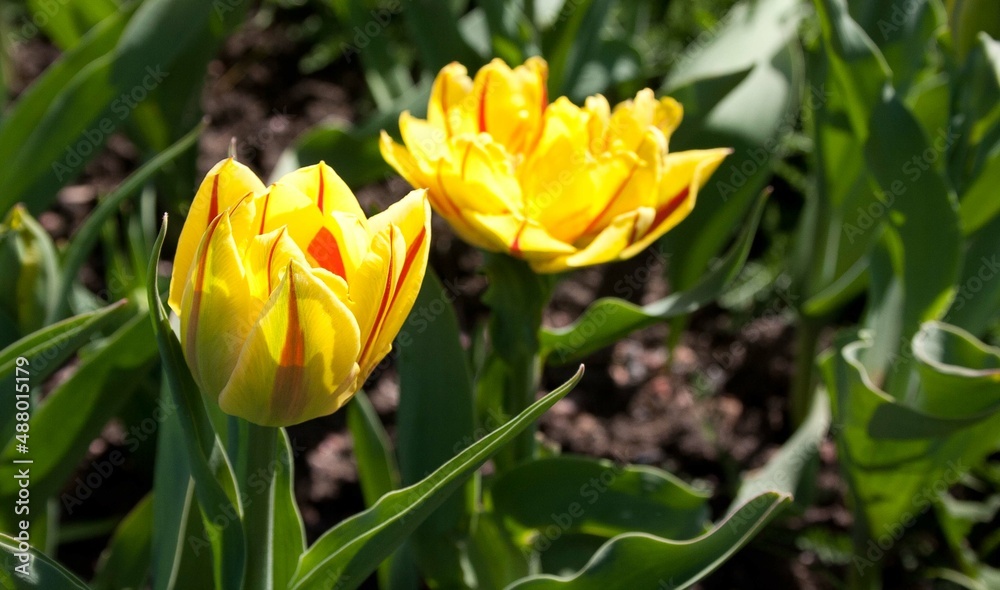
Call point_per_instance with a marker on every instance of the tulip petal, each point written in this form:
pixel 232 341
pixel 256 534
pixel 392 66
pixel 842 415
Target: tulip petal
pixel 298 362
pixel 428 143
pixel 325 188
pixel 267 259
pixel 510 102
pixel 407 225
pixel 684 174
pixel 217 311
pixel 605 247
pixel 523 238
pixel 224 185
pixel 451 88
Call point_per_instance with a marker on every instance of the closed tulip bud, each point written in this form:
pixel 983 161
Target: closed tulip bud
pixel 288 295
pixel 558 185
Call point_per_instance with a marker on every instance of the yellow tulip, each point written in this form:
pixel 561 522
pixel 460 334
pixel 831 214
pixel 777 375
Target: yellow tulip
pixel 288 295
pixel 558 185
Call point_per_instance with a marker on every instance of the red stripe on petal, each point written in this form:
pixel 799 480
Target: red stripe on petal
pixel 383 305
pixel 288 398
pixel 322 187
pixel 263 213
pixel 482 103
pixel 213 205
pixel 411 255
pixel 663 212
pixel 190 342
pixel 515 247
pixel 325 250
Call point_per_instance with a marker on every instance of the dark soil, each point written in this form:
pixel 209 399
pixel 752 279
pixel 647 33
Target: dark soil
pixel 715 410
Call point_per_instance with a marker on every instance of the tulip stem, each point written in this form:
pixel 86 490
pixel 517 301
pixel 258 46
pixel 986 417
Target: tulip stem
pixel 257 487
pixel 517 297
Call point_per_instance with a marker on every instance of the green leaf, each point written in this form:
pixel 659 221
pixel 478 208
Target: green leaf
pixel 855 61
pixel 67 22
pixel 977 300
pixel 562 44
pixel 446 43
pixel 218 500
pixel 750 34
pixel 969 19
pixel 76 411
pixel 607 320
pixel 45 573
pixel 434 421
pixel 289 535
pixel 34 104
pixel 353 153
pixel 83 241
pixel 639 560
pixel 900 454
pixel 788 468
pixel 377 468
pixel 89 107
pixel 125 562
pixel 349 552
pixel 47 349
pixel 179 559
pixel 599 497
pixel 917 205
pixel 979 204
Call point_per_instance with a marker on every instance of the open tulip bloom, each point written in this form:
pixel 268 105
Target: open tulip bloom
pixel 288 295
pixel 557 185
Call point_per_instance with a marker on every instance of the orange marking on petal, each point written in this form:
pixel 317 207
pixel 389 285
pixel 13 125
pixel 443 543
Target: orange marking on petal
pixel 326 251
pixel 213 206
pixel 288 377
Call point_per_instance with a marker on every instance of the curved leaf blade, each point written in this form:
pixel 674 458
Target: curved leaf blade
pixel 637 560
pixel 351 551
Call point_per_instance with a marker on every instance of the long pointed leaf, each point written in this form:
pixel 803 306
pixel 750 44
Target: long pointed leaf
pixel 348 553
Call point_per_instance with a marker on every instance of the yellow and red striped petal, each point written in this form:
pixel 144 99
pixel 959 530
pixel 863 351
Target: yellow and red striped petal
pixel 684 174
pixel 451 87
pixel 224 185
pixel 216 311
pixel 299 361
pixel 325 188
